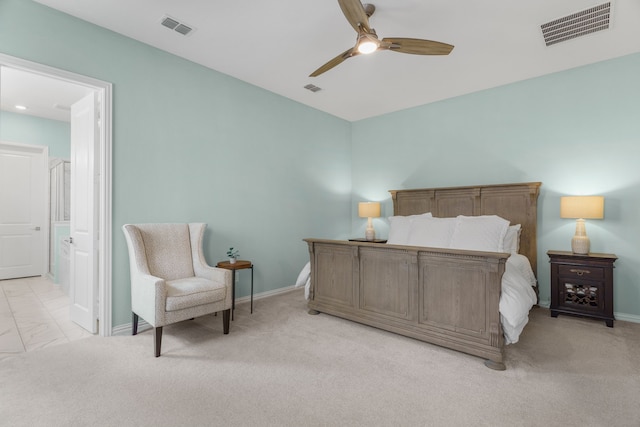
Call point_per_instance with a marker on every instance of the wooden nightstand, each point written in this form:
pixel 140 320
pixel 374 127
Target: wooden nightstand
pixel 582 285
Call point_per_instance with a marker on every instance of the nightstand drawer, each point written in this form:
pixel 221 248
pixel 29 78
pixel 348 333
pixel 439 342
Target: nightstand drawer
pixel 581 272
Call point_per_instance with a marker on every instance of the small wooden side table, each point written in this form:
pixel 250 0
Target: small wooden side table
pixel 239 265
pixel 582 285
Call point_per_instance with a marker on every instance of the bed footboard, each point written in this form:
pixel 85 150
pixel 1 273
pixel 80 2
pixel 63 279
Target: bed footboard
pixel 446 297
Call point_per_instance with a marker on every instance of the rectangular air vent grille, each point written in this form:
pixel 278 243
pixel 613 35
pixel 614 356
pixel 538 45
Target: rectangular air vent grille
pixel 183 29
pixel 170 23
pixel 312 88
pixel 578 24
pixel 176 25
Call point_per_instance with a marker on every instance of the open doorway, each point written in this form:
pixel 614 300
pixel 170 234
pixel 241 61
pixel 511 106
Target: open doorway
pixel 100 270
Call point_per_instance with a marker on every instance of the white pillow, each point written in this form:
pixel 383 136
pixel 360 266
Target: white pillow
pixel 399 227
pixel 431 232
pixel 512 239
pixel 479 233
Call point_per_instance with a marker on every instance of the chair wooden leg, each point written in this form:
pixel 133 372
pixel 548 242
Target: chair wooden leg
pixel 225 320
pixel 157 340
pixel 134 324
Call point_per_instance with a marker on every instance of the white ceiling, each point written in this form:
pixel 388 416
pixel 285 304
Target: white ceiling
pixel 276 45
pixel 43 96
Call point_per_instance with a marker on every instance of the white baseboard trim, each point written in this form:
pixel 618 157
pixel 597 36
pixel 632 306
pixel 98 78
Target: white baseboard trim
pixel 619 316
pixel 125 329
pixel 267 294
pixel 627 317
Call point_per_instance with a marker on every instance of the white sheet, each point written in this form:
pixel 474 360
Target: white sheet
pixel 304 278
pixel 517 296
pixel 516 299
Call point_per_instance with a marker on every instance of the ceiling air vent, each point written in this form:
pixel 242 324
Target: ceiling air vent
pixel 578 24
pixel 183 29
pixel 312 88
pixel 176 25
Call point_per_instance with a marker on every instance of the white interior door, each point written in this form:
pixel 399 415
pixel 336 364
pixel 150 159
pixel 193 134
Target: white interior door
pixel 83 286
pixel 23 226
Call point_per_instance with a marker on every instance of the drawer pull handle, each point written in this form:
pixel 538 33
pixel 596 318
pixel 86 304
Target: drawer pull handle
pixel 579 272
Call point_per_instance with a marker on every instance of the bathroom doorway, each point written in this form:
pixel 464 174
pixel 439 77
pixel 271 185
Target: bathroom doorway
pixel 99 303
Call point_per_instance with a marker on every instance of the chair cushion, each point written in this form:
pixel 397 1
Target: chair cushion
pixel 193 291
pixel 168 249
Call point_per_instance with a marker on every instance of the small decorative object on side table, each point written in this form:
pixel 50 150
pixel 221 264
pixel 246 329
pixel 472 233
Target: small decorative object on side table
pixel 582 285
pixel 233 255
pixel 238 265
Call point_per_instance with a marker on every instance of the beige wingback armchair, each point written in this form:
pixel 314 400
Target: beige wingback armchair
pixel 170 278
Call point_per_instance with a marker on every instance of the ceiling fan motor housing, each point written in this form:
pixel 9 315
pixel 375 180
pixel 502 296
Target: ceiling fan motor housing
pixel 369 9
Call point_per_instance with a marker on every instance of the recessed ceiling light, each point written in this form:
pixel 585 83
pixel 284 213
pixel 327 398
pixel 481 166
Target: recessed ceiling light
pixel 20 107
pixel 61 107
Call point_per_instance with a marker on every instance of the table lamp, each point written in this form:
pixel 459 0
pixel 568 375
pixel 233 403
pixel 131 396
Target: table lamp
pixel 581 208
pixel 369 210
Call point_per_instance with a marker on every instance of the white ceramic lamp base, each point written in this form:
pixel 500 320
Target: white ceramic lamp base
pixel 580 243
pixel 370 233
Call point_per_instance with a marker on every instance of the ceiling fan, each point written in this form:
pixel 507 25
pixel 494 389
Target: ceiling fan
pixel 367 42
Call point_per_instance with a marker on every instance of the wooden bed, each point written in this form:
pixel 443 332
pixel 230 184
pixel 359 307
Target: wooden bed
pixel 442 296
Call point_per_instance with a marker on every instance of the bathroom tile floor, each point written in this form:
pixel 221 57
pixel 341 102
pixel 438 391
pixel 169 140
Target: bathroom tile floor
pixel 34 313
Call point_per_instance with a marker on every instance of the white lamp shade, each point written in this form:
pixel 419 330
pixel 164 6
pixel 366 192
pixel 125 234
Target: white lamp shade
pixel 585 207
pixel 369 209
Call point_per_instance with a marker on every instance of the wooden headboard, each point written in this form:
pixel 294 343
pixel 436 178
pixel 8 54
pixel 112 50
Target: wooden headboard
pixel 517 203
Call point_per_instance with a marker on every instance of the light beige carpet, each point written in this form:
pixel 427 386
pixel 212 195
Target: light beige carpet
pixel 283 367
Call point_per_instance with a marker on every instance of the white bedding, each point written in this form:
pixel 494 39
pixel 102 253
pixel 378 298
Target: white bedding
pixel 517 296
pixel 304 279
pixel 516 299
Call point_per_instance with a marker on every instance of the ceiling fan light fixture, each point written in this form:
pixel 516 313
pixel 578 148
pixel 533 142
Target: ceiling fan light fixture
pixel 367 44
pixel 367 47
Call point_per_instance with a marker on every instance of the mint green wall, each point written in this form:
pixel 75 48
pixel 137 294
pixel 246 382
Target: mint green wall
pixel 191 144
pixel 31 130
pixel 578 132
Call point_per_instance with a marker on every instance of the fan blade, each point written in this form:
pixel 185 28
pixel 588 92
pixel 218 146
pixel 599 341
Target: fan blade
pixel 355 14
pixel 335 61
pixel 415 46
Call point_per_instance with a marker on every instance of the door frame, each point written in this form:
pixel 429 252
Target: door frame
pixel 104 167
